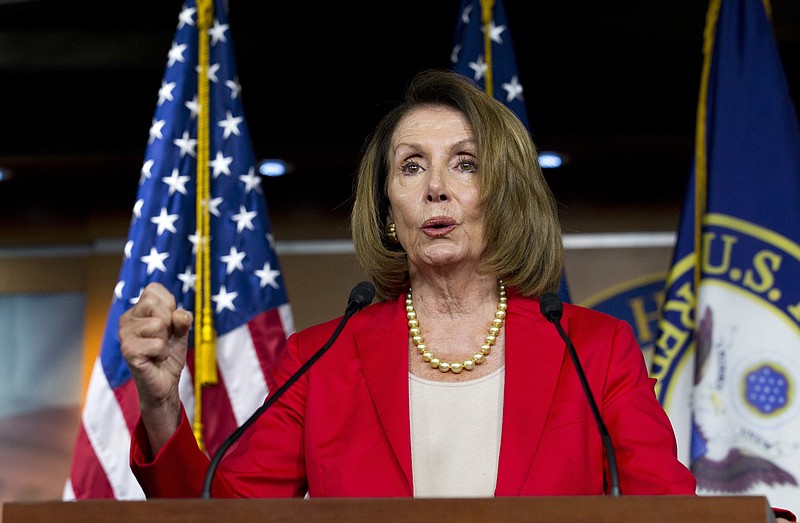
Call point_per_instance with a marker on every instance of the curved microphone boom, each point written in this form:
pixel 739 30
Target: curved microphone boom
pixel 552 308
pixel 360 297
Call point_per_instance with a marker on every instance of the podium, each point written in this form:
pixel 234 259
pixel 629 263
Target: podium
pixel 624 509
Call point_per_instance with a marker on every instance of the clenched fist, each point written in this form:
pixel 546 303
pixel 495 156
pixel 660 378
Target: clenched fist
pixel 153 336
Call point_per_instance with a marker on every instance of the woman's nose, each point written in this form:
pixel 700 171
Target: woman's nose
pixel 437 187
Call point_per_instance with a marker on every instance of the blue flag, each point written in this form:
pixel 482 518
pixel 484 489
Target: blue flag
pixel 251 314
pixel 469 58
pixel 728 348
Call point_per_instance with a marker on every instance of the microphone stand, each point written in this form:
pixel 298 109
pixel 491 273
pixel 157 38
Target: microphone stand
pixel 360 297
pixel 552 309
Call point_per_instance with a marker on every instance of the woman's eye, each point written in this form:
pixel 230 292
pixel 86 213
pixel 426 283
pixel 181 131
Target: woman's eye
pixel 467 166
pixel 410 168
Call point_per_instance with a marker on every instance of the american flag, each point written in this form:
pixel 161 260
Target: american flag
pixel 469 58
pixel 251 313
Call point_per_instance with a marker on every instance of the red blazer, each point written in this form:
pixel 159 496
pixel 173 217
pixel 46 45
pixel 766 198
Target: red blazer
pixel 343 429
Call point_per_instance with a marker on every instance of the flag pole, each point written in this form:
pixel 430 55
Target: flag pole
pixel 205 358
pixel 487 7
pixel 700 145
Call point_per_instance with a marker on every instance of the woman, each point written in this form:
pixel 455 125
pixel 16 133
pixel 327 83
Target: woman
pixel 453 384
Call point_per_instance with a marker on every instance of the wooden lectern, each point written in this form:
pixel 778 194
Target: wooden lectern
pixel 624 509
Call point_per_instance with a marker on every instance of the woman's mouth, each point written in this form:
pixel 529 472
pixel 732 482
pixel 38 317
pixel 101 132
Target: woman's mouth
pixel 439 226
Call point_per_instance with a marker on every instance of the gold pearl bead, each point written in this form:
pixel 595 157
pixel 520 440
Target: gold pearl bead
pixel 477 359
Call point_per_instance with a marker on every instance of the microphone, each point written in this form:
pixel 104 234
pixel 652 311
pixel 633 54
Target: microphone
pixel 552 308
pixel 360 297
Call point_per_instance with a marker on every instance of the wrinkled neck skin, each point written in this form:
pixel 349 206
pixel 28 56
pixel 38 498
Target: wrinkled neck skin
pixel 452 293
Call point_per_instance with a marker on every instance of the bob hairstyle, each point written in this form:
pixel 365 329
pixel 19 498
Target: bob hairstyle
pixel 522 233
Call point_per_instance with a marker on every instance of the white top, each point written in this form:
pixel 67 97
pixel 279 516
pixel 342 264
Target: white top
pixel 455 436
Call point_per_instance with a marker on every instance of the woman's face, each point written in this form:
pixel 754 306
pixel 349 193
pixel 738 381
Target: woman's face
pixel 433 187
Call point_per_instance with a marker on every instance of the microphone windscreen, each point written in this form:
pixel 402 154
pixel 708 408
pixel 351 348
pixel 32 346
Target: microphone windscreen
pixel 361 295
pixel 551 306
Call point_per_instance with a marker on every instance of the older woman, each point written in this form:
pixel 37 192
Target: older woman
pixel 453 384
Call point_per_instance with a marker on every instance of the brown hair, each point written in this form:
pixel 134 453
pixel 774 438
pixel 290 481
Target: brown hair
pixel 521 227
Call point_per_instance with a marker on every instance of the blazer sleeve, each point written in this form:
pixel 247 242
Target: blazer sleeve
pixel 268 461
pixel 643 438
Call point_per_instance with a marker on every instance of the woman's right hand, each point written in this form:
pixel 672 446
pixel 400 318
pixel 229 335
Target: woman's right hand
pixel 153 335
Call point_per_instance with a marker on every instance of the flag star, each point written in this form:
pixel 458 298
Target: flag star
pixel 193 106
pixel 251 181
pixel 217 33
pixel 146 171
pixel 495 32
pixel 188 278
pixel 230 124
pixel 194 239
pixel 176 54
pixel 176 182
pixel 479 66
pixel 244 220
pixel 268 276
pixel 233 260
pixel 185 18
pixel 224 299
pixel 186 144
pixel 211 74
pixel 213 206
pixel 155 261
pixel 514 89
pixel 118 290
pixel 465 14
pixel 155 130
pixel 165 222
pixel 136 298
pixel 128 249
pixel 221 165
pixel 235 87
pixel 137 209
pixel 165 93
pixel 454 54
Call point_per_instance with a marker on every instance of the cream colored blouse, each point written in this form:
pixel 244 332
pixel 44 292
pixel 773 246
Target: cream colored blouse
pixel 455 435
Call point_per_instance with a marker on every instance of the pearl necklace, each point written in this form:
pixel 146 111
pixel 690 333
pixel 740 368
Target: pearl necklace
pixel 468 364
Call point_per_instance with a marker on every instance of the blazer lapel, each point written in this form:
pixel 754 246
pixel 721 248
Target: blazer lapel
pixel 534 355
pixel 384 357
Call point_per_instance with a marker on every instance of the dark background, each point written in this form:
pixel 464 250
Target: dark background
pixel 611 84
